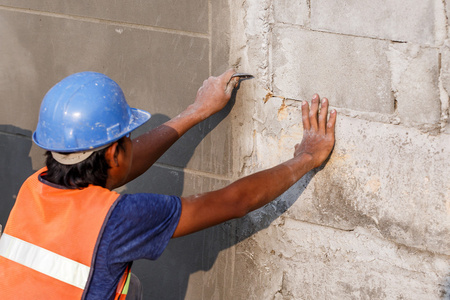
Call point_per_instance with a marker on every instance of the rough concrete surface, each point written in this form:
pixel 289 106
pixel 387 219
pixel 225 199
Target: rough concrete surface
pixel 415 82
pixel 297 260
pixel 352 71
pixel 291 11
pixel 420 21
pixel 372 223
pixel 444 86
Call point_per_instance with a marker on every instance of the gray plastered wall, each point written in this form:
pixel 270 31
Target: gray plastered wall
pixel 373 223
pixel 159 52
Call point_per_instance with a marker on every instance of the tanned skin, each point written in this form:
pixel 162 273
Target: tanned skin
pixel 239 198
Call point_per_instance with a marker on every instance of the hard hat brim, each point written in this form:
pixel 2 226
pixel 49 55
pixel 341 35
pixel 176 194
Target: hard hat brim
pixel 138 118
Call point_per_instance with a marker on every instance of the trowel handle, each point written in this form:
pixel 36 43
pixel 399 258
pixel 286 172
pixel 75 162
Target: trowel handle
pixel 234 81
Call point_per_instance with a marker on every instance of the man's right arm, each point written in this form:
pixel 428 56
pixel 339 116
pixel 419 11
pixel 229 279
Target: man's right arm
pixel 211 97
pixel 254 191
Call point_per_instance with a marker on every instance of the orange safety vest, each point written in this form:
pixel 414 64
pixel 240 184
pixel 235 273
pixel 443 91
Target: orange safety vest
pixel 50 239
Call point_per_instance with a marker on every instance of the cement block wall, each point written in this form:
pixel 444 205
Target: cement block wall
pixel 373 223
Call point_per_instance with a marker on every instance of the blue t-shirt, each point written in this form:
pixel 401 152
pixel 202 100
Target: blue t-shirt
pixel 139 226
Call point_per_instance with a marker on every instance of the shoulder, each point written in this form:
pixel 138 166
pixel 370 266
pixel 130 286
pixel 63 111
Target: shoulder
pixel 145 223
pixel 147 201
pixel 153 208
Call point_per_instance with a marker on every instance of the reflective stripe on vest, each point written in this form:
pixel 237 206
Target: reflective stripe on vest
pixel 127 285
pixel 124 284
pixel 44 261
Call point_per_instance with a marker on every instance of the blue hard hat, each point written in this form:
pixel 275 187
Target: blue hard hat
pixel 85 111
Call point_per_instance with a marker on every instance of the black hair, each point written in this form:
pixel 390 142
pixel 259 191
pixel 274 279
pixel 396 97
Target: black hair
pixel 93 170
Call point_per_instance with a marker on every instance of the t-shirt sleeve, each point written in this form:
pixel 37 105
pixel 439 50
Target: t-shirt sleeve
pixel 140 226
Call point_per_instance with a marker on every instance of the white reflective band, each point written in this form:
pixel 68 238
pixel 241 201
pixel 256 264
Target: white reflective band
pixel 44 261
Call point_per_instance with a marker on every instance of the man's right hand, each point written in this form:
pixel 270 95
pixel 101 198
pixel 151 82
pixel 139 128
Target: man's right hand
pixel 212 95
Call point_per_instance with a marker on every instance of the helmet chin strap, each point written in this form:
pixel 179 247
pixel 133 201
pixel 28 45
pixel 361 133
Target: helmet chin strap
pixel 75 157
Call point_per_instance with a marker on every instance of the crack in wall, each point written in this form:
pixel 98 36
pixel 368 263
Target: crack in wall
pixel 16 134
pixel 445 98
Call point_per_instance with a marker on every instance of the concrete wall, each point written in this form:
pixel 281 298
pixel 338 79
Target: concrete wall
pixel 372 224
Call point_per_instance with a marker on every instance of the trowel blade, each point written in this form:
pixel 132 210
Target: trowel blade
pixel 243 76
pixel 235 79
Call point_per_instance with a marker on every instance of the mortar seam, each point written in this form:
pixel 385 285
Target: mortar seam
pixel 306 28
pixel 16 135
pixel 382 237
pixel 193 172
pixel 106 22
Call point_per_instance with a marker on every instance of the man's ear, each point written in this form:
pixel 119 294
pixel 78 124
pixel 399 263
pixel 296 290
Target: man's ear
pixel 111 154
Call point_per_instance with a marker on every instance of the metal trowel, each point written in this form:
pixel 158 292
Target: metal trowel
pixel 235 79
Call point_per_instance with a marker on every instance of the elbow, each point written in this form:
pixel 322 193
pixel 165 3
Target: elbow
pixel 240 201
pixel 234 204
pixel 241 210
pixel 241 206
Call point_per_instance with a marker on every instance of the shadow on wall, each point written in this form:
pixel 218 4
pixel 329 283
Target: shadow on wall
pixel 15 145
pixel 445 290
pixel 168 277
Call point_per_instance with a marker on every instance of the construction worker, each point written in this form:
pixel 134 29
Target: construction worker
pixel 70 236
